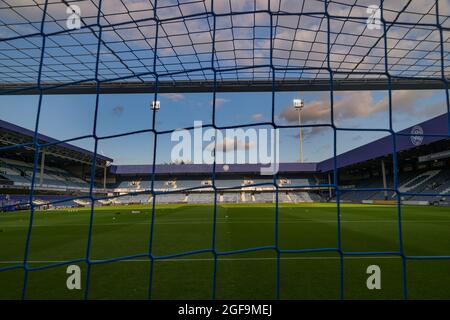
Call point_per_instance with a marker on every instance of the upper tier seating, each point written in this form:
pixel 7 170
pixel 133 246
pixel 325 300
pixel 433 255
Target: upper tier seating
pixel 21 174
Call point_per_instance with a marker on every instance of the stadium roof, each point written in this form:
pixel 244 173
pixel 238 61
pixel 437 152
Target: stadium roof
pixel 427 132
pixel 17 137
pixel 205 45
pixel 207 169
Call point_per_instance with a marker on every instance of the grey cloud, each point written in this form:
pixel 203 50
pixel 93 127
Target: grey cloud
pixel 118 111
pixel 228 145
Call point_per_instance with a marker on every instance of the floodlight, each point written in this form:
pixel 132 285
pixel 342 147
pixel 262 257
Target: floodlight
pixel 298 103
pixel 156 105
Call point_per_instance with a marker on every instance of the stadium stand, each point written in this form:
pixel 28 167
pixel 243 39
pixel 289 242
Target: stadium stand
pixel 61 174
pixel 21 173
pixel 230 198
pixel 420 174
pixel 201 198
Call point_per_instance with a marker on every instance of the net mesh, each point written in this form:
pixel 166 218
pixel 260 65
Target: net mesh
pixel 189 43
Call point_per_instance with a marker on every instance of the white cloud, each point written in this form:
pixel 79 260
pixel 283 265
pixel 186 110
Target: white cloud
pixel 174 96
pixel 220 102
pixel 257 117
pixel 231 145
pixel 356 105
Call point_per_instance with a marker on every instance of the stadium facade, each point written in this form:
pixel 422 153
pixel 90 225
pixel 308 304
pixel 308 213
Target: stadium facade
pixel 364 174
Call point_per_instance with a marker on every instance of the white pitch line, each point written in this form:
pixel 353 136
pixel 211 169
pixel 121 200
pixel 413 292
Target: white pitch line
pixel 223 222
pixel 223 259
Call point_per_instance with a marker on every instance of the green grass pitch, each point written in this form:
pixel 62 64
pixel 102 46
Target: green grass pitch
pixel 62 235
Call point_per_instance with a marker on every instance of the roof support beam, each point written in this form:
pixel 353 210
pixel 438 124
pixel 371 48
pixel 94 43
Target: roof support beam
pixel 200 86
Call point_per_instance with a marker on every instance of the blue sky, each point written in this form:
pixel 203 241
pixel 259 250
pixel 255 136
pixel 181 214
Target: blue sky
pixel 67 117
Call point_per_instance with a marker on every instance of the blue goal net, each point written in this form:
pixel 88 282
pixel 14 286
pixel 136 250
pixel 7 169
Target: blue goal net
pixel 167 48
